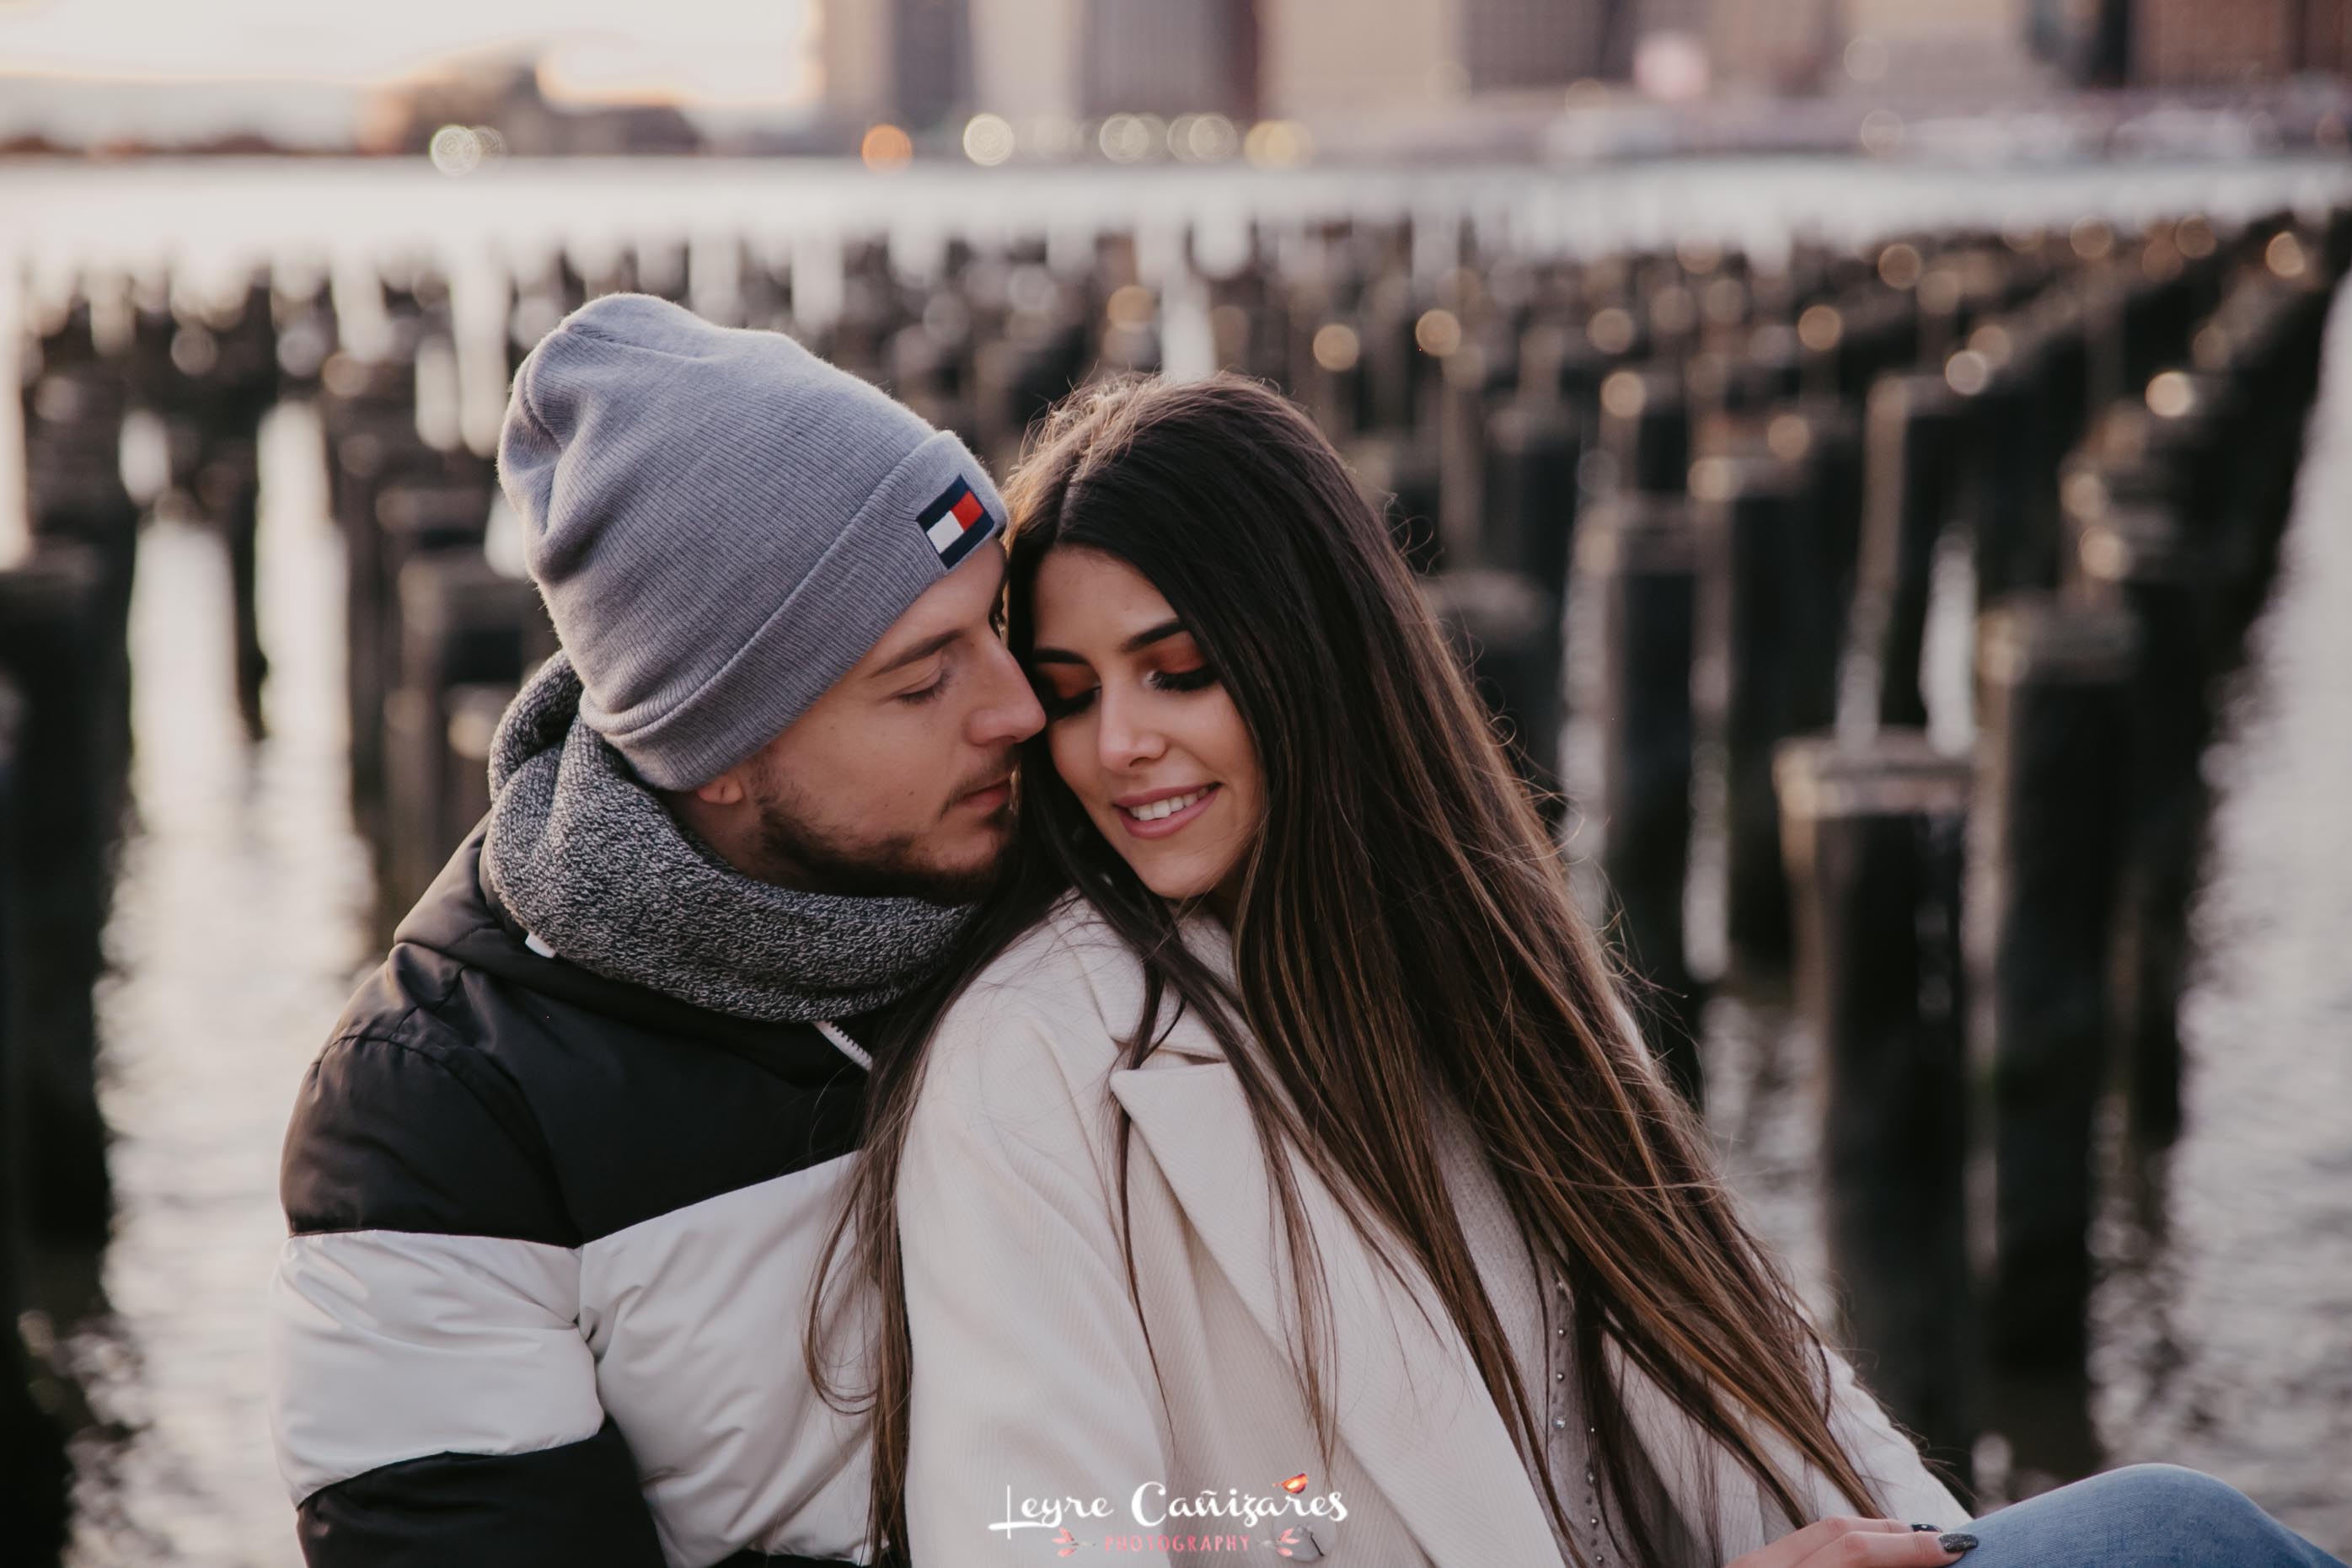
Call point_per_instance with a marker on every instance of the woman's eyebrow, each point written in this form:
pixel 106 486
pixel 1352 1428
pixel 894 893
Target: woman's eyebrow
pixel 1171 627
pixel 1142 640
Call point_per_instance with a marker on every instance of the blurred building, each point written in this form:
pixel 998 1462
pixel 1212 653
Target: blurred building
pixel 505 96
pixel 1026 56
pixel 906 61
pixel 2190 43
pixel 44 113
pixel 1511 44
pixel 1966 49
pixel 1352 59
pixel 1782 45
pixel 2089 40
pixel 922 63
pixel 1628 27
pixel 1151 57
pixel 1408 70
pixel 2327 36
pixel 1324 58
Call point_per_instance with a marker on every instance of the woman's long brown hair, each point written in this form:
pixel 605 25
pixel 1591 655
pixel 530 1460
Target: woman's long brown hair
pixel 1404 929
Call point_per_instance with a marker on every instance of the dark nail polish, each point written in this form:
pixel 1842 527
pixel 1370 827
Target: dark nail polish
pixel 1956 1542
pixel 1931 1529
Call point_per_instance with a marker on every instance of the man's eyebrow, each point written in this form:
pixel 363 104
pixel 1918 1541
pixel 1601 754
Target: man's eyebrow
pixel 919 651
pixel 1134 645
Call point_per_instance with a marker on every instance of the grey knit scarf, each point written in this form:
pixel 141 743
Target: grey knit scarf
pixel 592 864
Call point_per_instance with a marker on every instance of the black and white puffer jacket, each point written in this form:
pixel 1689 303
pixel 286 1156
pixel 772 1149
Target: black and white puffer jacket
pixel 551 1242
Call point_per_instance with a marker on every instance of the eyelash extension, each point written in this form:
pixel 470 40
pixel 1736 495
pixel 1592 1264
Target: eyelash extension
pixel 1060 708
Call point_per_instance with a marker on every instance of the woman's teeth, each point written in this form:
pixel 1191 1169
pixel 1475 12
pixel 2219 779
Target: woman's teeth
pixel 1168 807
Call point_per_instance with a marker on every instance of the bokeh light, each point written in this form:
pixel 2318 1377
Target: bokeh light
pixel 988 139
pixel 455 150
pixel 1126 139
pixel 1613 331
pixel 1277 144
pixel 1336 347
pixel 1624 394
pixel 1438 332
pixel 886 146
pixel 1820 327
pixel 1203 138
pixel 2171 395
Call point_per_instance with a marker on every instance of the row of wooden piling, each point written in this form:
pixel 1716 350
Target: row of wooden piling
pixel 1728 485
pixel 1746 478
pixel 206 374
pixel 65 745
pixel 2118 561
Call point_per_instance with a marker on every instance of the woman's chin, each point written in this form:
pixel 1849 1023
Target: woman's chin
pixel 1167 871
pixel 1176 884
pixel 1156 879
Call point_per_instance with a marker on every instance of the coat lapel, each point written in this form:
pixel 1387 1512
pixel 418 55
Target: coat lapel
pixel 1411 1406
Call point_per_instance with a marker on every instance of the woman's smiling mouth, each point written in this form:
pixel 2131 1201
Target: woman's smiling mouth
pixel 1161 813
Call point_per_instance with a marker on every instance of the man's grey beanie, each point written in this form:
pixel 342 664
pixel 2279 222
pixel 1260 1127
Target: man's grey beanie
pixel 722 524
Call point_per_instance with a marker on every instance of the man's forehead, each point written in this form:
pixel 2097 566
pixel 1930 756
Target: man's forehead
pixel 941 614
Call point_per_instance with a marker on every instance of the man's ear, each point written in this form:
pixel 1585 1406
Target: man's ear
pixel 727 790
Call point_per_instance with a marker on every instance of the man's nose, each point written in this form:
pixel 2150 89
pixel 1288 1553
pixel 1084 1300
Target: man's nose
pixel 1011 713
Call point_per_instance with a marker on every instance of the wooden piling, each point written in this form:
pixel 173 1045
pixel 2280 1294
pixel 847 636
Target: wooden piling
pixel 1911 430
pixel 1873 835
pixel 1822 438
pixel 425 501
pixel 1768 650
pixel 2138 558
pixel 464 627
pixel 1645 429
pixel 1399 476
pixel 32 1443
pixel 1505 629
pixel 232 400
pixel 75 494
pixel 53 623
pixel 1530 493
pixel 2049 813
pixel 1639 558
pixel 1468 377
pixel 2007 482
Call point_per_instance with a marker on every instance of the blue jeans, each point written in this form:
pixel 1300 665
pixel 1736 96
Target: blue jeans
pixel 2142 1516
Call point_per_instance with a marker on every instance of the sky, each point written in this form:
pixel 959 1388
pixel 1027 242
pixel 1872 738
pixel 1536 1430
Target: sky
pixel 745 53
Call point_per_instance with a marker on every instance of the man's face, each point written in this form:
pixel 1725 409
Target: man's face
pixel 898 781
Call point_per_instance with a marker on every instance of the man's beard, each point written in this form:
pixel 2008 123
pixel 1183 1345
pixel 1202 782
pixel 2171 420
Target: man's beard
pixel 890 867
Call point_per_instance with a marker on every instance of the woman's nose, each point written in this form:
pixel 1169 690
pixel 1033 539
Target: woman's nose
pixel 1125 738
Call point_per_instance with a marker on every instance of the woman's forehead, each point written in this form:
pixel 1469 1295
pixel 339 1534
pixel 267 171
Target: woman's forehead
pixel 1089 594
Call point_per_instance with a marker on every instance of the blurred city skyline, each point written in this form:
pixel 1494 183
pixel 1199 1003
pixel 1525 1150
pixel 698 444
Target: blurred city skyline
pixel 1041 77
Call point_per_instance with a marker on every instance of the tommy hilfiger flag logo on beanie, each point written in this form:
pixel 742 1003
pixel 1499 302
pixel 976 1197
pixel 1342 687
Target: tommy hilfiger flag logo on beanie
pixel 954 523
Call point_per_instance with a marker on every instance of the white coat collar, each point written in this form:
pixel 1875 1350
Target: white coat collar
pixel 1411 1406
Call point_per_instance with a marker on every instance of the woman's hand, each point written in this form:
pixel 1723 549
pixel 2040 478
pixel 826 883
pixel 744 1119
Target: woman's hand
pixel 1856 1542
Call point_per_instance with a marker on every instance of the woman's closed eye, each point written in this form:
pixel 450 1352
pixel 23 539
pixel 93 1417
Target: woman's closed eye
pixel 1061 704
